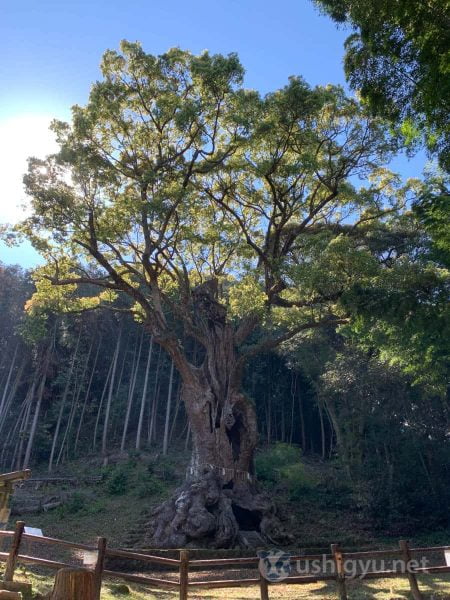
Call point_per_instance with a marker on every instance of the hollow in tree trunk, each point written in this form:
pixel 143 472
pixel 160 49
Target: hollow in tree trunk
pixel 220 499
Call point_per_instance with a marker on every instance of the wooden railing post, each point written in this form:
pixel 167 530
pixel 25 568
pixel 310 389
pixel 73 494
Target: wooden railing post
pixel 99 566
pixel 184 574
pixel 263 587
pixel 340 572
pixel 404 547
pixel 13 553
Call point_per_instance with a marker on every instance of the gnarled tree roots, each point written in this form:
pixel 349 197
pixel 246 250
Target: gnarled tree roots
pixel 208 514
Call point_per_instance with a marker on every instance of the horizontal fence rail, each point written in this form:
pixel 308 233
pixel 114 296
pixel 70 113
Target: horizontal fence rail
pixel 185 570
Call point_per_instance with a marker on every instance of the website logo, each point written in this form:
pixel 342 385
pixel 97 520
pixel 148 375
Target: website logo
pixel 275 565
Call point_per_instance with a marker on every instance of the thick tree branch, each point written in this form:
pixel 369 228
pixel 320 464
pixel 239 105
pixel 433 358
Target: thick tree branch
pixel 271 343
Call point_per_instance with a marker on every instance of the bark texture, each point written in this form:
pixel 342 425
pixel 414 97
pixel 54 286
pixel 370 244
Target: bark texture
pixel 220 499
pixel 207 513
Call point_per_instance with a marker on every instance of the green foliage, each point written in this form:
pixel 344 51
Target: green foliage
pixel 295 478
pixel 76 503
pixel 119 589
pixel 80 504
pixel 398 60
pixel 280 464
pixel 381 423
pixel 33 328
pixel 198 206
pixel 247 296
pixel 163 467
pixel 149 486
pixel 432 208
pixel 167 159
pixel 416 494
pixel 117 481
pixel 394 316
pixel 270 461
pixel 132 477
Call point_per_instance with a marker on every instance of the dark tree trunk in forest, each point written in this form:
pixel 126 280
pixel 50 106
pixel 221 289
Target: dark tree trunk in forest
pixel 220 499
pixel 302 421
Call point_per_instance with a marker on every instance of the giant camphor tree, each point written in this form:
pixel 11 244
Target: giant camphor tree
pixel 229 220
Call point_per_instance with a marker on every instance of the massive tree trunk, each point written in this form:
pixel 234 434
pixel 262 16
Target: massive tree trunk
pixel 220 500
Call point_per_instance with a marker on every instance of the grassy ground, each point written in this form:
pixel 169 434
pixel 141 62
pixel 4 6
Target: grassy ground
pixel 112 508
pixel 434 588
pixel 119 506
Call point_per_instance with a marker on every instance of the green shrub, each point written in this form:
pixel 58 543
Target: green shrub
pixel 97 506
pixel 134 456
pixel 295 478
pixel 80 504
pixel 149 486
pixel 120 589
pixel 270 461
pixel 76 503
pixel 165 468
pixel 117 482
pixel 281 465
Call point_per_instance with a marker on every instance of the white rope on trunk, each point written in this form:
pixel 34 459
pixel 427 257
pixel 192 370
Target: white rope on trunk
pixel 224 471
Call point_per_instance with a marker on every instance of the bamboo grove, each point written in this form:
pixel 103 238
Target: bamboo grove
pixel 93 385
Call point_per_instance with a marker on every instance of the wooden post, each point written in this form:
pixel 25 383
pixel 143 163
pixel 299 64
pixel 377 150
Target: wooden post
pixel 263 587
pixel 99 566
pixel 7 481
pixel 184 574
pixel 74 584
pixel 13 553
pixel 404 547
pixel 340 572
pixel 6 489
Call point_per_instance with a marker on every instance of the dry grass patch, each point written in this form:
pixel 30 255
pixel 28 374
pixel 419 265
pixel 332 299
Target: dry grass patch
pixel 434 588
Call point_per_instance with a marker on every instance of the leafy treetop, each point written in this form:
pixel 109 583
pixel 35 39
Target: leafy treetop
pixel 174 185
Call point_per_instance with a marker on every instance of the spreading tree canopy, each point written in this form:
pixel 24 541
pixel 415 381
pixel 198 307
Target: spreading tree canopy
pixel 228 220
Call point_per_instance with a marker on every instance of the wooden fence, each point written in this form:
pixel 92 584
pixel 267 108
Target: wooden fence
pixel 184 567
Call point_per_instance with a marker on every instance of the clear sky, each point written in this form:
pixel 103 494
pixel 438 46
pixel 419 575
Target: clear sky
pixel 51 49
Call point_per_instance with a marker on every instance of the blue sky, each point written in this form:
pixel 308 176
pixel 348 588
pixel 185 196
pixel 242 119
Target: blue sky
pixel 51 51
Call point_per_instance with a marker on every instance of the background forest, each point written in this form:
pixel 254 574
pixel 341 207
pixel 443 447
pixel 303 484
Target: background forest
pixel 94 385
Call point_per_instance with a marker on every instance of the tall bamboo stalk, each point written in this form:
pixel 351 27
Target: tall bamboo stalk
pixel 63 404
pixel 110 395
pixel 169 403
pixel 144 395
pixel 86 396
pixel 134 374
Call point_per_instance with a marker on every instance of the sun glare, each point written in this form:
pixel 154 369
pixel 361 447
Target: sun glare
pixel 22 136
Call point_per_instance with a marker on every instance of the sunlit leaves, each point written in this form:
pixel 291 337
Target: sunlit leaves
pixel 62 298
pixel 172 175
pixel 247 296
pixel 432 207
